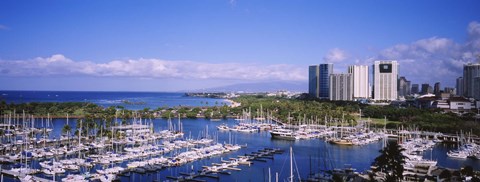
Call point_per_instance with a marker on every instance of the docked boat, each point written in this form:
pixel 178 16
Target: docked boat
pixel 282 133
pixel 223 127
pixel 341 141
pixel 457 154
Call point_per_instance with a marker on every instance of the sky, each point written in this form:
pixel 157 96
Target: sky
pixel 171 45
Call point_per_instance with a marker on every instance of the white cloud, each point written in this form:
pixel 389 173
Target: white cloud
pixel 435 59
pixel 472 48
pixel 335 55
pixel 59 65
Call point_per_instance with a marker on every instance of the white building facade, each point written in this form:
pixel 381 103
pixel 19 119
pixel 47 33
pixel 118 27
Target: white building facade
pixel 360 81
pixel 385 76
pixel 341 87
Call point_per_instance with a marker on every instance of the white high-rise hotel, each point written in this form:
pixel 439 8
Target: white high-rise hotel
pixel 385 76
pixel 360 81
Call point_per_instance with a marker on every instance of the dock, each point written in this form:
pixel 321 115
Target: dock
pixel 23 176
pixel 228 165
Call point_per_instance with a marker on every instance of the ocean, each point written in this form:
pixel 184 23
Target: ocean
pixel 130 100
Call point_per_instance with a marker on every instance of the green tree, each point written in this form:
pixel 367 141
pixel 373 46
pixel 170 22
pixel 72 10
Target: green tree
pixel 337 178
pixel 445 174
pixel 475 179
pixel 467 171
pixel 66 129
pixel 390 161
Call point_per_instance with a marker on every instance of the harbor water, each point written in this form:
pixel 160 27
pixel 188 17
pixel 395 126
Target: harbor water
pixel 309 156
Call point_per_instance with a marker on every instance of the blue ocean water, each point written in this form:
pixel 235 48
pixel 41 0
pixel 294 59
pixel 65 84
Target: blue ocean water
pixel 130 100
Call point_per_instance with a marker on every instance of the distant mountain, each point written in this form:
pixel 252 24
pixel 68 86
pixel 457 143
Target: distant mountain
pixel 260 87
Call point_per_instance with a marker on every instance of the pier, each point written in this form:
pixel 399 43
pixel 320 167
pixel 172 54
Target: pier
pixel 23 176
pixel 225 165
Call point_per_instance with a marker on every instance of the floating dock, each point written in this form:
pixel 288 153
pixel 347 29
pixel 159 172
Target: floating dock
pixel 22 176
pixel 226 165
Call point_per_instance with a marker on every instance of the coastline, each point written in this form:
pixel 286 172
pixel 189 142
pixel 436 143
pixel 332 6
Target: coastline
pixel 232 103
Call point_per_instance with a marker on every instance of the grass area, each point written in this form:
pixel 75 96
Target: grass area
pixel 378 121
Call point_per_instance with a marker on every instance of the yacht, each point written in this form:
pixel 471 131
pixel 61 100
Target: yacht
pixel 282 133
pixel 457 154
pixel 341 141
pixel 223 127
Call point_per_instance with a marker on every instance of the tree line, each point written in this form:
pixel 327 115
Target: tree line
pixel 293 110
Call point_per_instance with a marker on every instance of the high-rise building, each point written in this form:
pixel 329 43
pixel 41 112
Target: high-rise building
pixel 324 71
pixel 360 81
pixel 403 87
pixel 341 87
pixel 318 85
pixel 430 89
pixel 415 89
pixel 449 90
pixel 436 88
pixel 313 80
pixel 476 85
pixel 385 75
pixel 408 85
pixel 425 88
pixel 470 72
pixel 459 86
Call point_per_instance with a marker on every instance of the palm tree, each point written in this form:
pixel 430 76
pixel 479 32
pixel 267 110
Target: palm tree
pixel 2 133
pixel 390 162
pixel 67 129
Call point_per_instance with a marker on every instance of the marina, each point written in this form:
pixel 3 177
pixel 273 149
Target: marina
pixel 170 151
pixel 153 149
pixel 207 91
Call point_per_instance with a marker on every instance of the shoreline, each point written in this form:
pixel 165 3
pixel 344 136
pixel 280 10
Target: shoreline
pixel 233 103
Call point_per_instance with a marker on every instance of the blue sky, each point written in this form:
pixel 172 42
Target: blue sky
pixel 181 45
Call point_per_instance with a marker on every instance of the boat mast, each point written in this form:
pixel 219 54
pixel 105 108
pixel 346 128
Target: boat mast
pixel 291 164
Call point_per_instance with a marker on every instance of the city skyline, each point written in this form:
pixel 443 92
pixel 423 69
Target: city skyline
pixel 171 46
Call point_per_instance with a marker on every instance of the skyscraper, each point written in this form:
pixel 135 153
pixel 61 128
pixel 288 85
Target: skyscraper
pixel 449 90
pixel 476 85
pixel 470 72
pixel 360 81
pixel 415 89
pixel 459 86
pixel 425 88
pixel 385 75
pixel 324 71
pixel 436 88
pixel 403 87
pixel 408 89
pixel 318 85
pixel 313 80
pixel 341 87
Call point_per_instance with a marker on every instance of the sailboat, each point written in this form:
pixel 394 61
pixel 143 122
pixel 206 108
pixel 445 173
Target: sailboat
pixel 291 178
pixel 342 140
pixel 291 165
